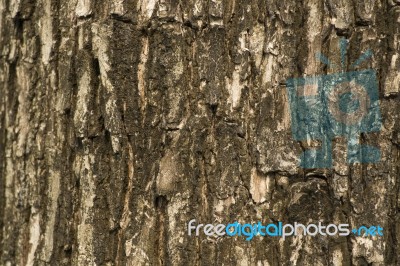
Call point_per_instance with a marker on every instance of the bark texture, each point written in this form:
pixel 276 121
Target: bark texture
pixel 121 120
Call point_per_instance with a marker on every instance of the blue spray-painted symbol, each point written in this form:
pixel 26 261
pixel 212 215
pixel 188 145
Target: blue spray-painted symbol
pixel 341 104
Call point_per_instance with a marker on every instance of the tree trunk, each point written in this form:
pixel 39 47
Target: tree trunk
pixel 121 121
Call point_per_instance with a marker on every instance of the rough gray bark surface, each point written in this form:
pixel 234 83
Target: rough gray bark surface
pixel 123 120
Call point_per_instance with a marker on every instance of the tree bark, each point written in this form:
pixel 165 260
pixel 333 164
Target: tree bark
pixel 123 120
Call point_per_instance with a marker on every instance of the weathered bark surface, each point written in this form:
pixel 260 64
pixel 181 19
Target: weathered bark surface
pixel 122 120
